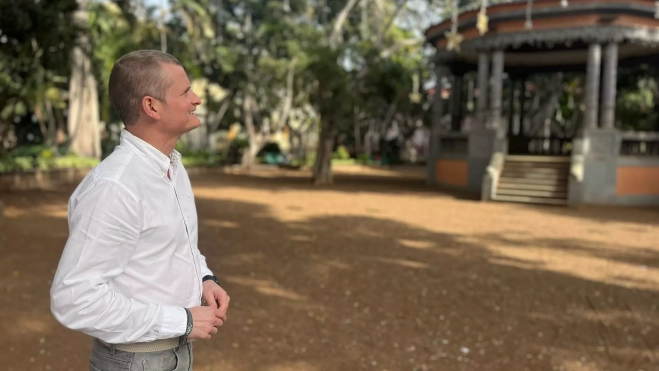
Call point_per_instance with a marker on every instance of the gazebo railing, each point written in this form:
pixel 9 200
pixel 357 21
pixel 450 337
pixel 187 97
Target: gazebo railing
pixel 539 146
pixel 644 144
pixel 454 144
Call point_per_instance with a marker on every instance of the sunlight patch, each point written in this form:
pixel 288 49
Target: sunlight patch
pixel 403 263
pixel 32 325
pixel 239 259
pixel 266 287
pixel 221 223
pixel 416 244
pixel 49 211
pixel 585 266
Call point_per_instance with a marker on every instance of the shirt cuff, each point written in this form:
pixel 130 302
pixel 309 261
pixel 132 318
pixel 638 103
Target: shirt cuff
pixel 174 323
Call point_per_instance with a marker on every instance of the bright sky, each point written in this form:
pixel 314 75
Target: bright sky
pixel 420 5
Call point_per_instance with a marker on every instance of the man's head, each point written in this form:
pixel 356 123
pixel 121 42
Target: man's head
pixel 152 86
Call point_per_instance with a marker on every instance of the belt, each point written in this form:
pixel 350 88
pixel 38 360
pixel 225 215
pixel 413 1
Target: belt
pixel 148 347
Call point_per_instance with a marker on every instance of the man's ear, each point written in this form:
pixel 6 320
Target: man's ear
pixel 152 107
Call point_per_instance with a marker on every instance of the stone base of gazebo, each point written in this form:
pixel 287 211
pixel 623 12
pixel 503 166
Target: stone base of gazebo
pixel 606 167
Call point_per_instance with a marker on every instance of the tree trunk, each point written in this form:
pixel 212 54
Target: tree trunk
pixel 249 156
pixel 547 110
pixel 256 139
pixel 83 117
pixel 52 127
pixel 322 168
pixel 42 124
pixel 357 130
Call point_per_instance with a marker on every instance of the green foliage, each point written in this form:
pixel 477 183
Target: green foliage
pixel 202 159
pixel 341 153
pixel 36 41
pixel 637 100
pixel 348 161
pixel 37 158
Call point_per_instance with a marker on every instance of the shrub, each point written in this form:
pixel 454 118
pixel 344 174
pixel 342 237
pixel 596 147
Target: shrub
pixel 341 153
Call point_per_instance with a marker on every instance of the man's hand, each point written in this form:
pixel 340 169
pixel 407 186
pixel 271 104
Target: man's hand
pixel 216 297
pixel 205 321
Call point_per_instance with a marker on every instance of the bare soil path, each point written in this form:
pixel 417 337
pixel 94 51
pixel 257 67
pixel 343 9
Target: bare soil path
pixel 379 273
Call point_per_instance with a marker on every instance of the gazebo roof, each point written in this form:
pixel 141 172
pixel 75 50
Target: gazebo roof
pixel 559 36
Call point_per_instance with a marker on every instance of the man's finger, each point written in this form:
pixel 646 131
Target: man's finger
pixel 224 302
pixel 211 301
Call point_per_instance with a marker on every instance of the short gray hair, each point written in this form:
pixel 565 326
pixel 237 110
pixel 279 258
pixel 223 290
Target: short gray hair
pixel 134 76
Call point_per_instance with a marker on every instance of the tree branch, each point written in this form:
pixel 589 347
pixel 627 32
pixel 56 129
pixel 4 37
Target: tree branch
pixel 223 110
pixel 390 114
pixel 248 118
pixel 386 53
pixel 339 23
pixel 288 102
pixel 390 21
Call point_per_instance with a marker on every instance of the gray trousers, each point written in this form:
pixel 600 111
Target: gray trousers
pixel 104 358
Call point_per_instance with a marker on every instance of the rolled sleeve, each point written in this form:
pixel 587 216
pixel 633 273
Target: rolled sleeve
pixel 175 322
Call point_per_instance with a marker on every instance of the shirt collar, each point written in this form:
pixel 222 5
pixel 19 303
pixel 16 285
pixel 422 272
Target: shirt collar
pixel 152 155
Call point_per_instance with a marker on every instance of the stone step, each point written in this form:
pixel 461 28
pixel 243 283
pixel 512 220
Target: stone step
pixel 533 175
pixel 558 186
pixel 544 181
pixel 536 165
pixel 534 170
pixel 555 159
pixel 532 193
pixel 531 200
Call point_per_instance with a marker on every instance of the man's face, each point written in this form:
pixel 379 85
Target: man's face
pixel 178 116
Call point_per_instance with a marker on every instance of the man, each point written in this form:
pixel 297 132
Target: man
pixel 131 274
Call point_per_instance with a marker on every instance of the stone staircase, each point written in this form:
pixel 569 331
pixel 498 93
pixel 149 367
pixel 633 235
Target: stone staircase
pixel 534 179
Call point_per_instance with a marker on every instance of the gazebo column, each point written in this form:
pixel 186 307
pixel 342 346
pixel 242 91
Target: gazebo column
pixel 595 154
pixel 441 71
pixel 496 95
pixel 610 73
pixel 483 84
pixel 592 86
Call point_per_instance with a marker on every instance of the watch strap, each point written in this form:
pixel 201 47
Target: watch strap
pixel 188 328
pixel 209 277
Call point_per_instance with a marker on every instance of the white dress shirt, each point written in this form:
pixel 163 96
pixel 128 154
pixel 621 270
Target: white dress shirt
pixel 131 263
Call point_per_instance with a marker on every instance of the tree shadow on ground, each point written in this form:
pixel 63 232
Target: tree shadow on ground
pixel 348 183
pixel 615 251
pixel 274 180
pixel 639 215
pixel 334 292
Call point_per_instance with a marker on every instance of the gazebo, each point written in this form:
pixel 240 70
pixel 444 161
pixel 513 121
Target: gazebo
pixel 499 157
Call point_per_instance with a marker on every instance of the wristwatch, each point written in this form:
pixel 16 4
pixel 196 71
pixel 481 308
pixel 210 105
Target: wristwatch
pixel 188 328
pixel 209 277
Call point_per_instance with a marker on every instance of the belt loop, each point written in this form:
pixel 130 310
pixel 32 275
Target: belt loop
pixel 112 349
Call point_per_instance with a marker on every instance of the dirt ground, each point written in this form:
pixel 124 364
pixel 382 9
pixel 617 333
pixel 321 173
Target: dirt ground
pixel 377 273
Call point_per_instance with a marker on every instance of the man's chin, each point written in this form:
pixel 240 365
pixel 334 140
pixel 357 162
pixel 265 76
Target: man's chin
pixel 193 124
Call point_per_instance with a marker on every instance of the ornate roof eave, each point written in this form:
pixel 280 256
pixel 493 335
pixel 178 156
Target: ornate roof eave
pixel 436 32
pixel 601 34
